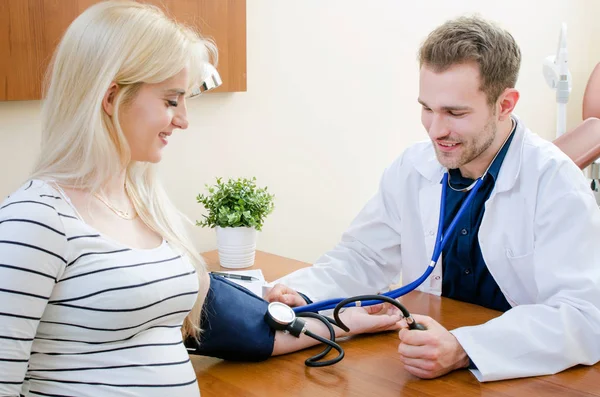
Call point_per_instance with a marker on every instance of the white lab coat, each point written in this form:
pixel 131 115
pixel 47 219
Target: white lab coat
pixel 540 239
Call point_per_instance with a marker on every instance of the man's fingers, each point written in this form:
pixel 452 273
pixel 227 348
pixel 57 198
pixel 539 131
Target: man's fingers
pixel 425 320
pixel 415 337
pixel 277 293
pixel 273 294
pixel 425 365
pixel 292 300
pixel 410 351
pixel 419 372
pixel 284 294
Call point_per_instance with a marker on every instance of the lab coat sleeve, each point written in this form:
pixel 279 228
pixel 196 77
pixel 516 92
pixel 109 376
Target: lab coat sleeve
pixel 562 327
pixel 367 258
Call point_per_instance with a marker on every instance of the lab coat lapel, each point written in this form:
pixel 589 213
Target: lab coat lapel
pixel 511 165
pixel 430 191
pixel 429 207
pixel 493 223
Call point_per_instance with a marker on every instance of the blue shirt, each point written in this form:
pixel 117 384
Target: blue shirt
pixel 465 274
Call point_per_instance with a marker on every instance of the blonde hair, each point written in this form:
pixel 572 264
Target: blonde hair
pixel 130 44
pixel 473 39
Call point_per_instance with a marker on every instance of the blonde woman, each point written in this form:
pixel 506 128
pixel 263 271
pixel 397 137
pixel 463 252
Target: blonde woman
pixel 98 280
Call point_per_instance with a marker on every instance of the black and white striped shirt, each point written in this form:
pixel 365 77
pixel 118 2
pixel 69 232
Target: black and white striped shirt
pixel 83 315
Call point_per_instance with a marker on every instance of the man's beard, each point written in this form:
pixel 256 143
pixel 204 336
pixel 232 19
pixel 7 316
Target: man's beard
pixel 469 150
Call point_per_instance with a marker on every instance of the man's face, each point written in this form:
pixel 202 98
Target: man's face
pixel 460 122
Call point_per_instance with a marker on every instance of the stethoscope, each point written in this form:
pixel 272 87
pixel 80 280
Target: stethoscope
pixel 287 318
pixel 282 317
pixel 440 243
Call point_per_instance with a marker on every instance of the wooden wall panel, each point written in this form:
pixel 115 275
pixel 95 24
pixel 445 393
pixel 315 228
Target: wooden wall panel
pixel 31 29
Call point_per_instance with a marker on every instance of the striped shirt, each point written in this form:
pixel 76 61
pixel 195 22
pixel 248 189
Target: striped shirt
pixel 83 315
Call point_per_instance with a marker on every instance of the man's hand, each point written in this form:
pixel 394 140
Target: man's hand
pixel 284 294
pixel 430 353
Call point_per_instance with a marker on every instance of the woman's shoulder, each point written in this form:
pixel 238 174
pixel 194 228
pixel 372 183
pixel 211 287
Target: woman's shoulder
pixel 34 198
pixel 32 232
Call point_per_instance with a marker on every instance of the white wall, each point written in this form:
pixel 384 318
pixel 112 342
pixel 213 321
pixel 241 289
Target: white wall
pixel 331 101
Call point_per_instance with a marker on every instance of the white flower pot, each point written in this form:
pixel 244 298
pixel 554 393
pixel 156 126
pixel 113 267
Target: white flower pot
pixel 236 246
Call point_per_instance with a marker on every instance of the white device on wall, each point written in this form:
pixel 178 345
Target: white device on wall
pixel 557 75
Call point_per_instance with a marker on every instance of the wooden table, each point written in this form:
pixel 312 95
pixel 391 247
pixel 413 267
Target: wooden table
pixel 371 366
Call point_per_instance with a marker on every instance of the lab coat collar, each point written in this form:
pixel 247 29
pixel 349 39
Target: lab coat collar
pixel 509 171
pixel 429 167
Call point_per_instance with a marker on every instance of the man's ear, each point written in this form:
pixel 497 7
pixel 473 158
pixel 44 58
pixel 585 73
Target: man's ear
pixel 507 102
pixel 108 102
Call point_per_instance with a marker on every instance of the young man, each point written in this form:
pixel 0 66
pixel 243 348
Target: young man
pixel 528 243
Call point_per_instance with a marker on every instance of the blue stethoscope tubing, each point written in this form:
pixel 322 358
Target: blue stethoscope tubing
pixel 440 243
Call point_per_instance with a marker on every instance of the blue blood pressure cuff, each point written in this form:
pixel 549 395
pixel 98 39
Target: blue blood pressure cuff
pixel 233 325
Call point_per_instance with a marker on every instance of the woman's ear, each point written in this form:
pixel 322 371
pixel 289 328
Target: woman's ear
pixel 108 102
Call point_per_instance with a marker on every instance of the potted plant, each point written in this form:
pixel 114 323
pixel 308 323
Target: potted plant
pixel 237 210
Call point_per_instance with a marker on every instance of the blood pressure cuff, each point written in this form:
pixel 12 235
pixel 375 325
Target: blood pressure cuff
pixel 233 324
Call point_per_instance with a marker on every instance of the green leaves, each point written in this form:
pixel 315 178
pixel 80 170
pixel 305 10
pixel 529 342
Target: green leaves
pixel 235 203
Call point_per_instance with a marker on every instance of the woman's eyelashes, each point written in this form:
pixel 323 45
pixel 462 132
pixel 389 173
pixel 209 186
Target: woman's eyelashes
pixel 172 103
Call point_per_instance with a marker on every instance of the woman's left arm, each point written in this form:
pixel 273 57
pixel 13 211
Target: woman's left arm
pixel 360 320
pixel 234 328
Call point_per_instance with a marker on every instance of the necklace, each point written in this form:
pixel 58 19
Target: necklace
pixel 123 214
pixel 466 189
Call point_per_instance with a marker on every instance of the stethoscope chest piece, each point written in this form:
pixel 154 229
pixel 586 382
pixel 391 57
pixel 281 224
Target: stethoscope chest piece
pixel 281 317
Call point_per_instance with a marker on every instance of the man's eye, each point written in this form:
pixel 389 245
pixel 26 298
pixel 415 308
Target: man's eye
pixel 172 103
pixel 456 114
